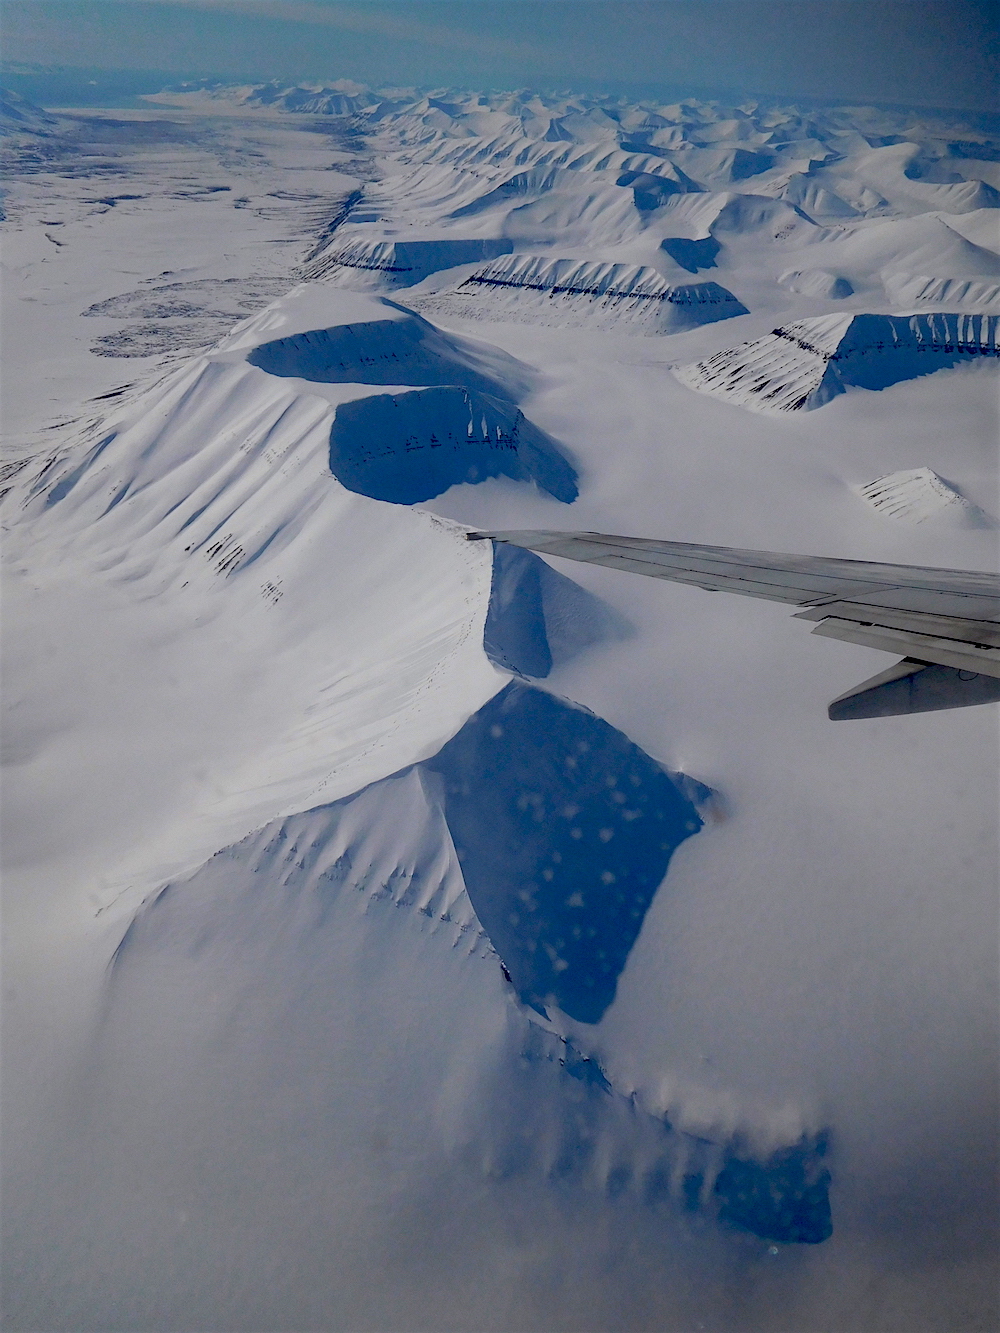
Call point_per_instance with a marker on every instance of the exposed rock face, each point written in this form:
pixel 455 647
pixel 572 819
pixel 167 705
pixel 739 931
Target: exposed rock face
pixel 804 365
pixel 917 494
pixel 969 293
pixel 542 290
pixel 403 263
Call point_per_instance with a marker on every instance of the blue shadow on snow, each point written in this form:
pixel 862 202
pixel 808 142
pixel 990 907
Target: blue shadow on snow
pixel 538 619
pixel 564 830
pixel 382 351
pixel 409 447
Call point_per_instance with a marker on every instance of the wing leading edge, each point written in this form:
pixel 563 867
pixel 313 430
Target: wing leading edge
pixel 944 622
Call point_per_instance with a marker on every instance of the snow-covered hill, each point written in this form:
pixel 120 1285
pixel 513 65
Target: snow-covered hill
pixel 406 933
pixel 541 290
pixel 804 365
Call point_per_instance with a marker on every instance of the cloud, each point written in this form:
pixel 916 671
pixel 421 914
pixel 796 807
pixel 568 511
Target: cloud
pixel 349 18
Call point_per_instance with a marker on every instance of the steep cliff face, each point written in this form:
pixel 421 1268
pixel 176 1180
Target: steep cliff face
pixel 804 365
pixel 409 447
pixel 400 263
pixel 393 347
pixel 538 289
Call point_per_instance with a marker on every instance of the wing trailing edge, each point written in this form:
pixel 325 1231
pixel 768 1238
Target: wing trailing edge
pixel 945 622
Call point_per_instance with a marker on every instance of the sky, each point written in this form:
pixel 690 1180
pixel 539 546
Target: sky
pixel 923 52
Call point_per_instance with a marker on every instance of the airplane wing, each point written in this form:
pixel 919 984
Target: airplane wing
pixel 945 622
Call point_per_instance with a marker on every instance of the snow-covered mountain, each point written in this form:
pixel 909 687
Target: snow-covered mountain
pixel 805 364
pixel 402 932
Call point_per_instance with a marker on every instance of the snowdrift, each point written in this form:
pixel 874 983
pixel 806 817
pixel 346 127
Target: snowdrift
pixel 804 365
pixel 538 289
pixel 408 447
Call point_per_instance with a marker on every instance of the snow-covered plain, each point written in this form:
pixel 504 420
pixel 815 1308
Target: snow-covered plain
pixel 342 990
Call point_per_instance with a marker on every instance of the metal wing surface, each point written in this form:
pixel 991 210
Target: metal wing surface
pixel 946 622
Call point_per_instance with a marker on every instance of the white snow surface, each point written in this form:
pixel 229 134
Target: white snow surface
pixel 816 282
pixel 542 290
pixel 804 365
pixel 919 494
pixel 262 1068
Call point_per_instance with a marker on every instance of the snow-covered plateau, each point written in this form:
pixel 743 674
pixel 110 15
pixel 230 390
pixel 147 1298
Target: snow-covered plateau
pixel 403 933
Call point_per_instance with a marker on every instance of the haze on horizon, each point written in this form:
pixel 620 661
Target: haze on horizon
pixel 935 53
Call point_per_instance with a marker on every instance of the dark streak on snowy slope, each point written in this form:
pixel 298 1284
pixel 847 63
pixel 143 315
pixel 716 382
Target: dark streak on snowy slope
pixel 806 364
pixel 284 902
pixel 410 447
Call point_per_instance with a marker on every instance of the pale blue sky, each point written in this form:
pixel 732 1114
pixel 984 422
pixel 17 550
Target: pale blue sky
pixel 931 52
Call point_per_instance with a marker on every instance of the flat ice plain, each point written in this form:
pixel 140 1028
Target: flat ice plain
pixel 407 935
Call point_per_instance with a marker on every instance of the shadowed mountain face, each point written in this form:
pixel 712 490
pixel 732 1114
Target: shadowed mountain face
pixel 692 255
pixel 785 1199
pixel 268 930
pixel 404 263
pixel 805 364
pixel 390 351
pixel 460 425
pixel 409 447
pixel 538 619
pixel 564 830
